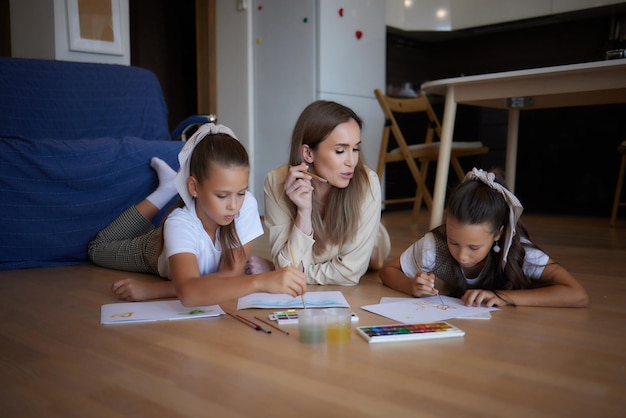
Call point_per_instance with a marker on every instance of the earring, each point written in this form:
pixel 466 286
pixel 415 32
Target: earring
pixel 496 247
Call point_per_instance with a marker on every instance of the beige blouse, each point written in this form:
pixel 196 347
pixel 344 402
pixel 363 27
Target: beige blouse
pixel 343 265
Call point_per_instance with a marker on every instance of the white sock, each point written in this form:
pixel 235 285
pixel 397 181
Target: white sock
pixel 166 189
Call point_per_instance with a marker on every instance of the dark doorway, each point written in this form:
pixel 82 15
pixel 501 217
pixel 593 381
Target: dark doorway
pixel 163 40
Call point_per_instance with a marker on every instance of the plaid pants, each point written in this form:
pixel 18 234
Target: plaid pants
pixel 130 243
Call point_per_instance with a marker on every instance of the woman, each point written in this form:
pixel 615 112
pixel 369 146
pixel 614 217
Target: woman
pixel 323 209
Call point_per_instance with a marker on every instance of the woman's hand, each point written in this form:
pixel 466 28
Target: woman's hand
pixel 481 297
pixel 298 187
pixel 424 285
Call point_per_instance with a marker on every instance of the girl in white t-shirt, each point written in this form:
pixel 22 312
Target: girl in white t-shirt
pixel 483 255
pixel 203 245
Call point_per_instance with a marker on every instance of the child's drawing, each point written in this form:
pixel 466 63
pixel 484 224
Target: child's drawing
pixel 160 310
pixel 424 304
pixel 323 299
pixel 429 309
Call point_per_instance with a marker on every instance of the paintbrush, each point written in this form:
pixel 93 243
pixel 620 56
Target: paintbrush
pixel 272 325
pixel 293 261
pixel 419 267
pixel 316 177
pixel 249 323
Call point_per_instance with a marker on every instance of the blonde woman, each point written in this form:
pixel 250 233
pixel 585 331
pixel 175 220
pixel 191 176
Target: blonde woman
pixel 323 209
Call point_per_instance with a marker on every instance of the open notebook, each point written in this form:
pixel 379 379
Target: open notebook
pixel 165 310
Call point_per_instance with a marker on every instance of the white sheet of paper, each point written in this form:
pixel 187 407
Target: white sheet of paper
pixel 163 310
pixel 429 309
pixel 324 299
pixel 483 315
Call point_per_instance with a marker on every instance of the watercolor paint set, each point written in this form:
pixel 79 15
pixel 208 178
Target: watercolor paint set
pixel 285 317
pixel 408 332
pixel 291 317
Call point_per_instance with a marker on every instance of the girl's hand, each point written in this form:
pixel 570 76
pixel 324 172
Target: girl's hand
pixel 132 290
pixel 298 187
pixel 481 297
pixel 287 280
pixel 424 285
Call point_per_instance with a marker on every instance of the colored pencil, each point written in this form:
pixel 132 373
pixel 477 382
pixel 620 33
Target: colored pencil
pixel 293 261
pixel 272 325
pixel 316 177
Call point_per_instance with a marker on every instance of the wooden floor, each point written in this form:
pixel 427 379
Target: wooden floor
pixel 56 360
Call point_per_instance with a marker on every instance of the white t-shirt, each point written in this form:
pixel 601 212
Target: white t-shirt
pixel 183 233
pixel 424 252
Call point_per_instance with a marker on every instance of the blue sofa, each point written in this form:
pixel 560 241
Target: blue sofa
pixel 76 140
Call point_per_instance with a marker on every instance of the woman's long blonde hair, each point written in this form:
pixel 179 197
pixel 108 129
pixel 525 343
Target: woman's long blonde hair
pixel 342 214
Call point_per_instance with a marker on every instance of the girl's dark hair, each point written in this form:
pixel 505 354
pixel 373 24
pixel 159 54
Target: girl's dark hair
pixel 474 202
pixel 313 126
pixel 225 151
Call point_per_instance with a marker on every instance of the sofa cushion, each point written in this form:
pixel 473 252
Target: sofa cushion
pixel 57 194
pixel 77 100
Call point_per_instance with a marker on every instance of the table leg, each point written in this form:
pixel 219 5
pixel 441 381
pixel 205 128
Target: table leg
pixel 511 149
pixel 443 162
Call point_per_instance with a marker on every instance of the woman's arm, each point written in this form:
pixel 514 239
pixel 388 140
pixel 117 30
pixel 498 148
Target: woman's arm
pixel 279 219
pixel 346 265
pixel 336 266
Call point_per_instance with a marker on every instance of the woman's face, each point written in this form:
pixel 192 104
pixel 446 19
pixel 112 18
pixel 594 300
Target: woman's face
pixel 336 156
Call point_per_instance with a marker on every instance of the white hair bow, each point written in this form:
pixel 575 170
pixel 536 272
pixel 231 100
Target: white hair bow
pixel 515 207
pixel 184 156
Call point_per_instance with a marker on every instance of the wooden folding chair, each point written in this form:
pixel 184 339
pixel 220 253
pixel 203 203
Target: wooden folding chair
pixel 417 155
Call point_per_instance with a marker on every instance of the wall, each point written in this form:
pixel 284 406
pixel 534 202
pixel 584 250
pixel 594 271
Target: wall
pixel 469 51
pixel 263 86
pixel 50 40
pixel 234 73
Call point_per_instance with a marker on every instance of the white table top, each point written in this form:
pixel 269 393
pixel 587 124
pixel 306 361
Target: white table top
pixel 589 83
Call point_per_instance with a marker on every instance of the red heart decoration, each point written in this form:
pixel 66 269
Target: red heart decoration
pixel 359 34
pixel 341 12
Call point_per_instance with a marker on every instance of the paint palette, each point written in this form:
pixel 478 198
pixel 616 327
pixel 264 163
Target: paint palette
pixel 285 317
pixel 408 332
pixel 291 317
